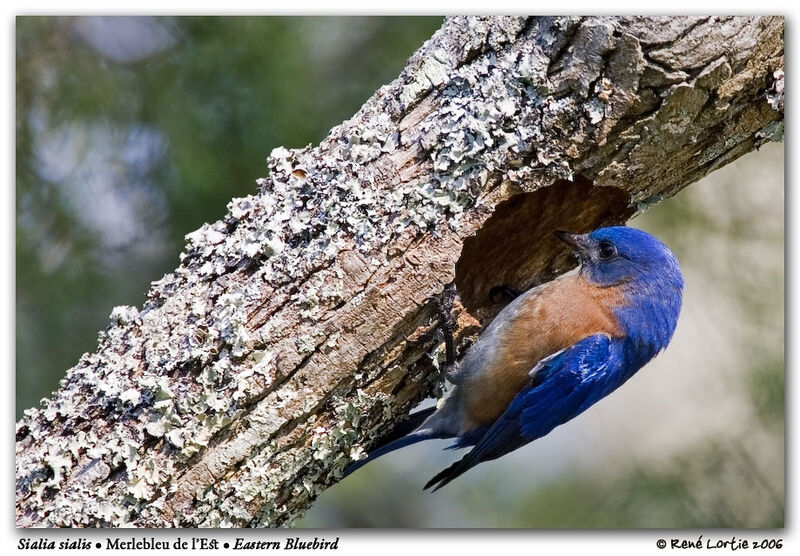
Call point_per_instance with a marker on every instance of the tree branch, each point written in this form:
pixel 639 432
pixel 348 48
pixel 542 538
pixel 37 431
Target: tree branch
pixel 300 326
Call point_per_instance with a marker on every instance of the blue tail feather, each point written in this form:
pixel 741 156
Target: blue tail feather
pixel 404 434
pixel 412 438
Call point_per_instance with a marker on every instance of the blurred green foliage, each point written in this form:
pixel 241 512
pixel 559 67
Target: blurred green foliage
pixel 132 132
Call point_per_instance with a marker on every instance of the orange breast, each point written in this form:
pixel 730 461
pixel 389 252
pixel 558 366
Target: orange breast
pixel 550 319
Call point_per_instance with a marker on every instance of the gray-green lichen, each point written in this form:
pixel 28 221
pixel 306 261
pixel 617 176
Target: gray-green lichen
pixel 775 93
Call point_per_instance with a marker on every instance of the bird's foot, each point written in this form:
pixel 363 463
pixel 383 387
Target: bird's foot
pixel 444 308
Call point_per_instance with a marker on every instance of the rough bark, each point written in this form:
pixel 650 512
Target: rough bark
pixel 299 327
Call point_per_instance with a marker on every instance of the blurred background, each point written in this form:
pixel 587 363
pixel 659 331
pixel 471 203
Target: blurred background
pixel 132 132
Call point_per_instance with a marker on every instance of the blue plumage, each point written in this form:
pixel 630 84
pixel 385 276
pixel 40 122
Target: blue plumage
pixel 564 387
pixel 556 350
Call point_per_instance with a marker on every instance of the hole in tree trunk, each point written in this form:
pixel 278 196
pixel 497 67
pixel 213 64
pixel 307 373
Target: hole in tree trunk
pixel 516 245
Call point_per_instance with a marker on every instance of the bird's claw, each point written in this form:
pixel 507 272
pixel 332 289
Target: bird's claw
pixel 444 308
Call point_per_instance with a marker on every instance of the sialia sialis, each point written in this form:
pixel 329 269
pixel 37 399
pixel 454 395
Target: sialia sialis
pixel 554 351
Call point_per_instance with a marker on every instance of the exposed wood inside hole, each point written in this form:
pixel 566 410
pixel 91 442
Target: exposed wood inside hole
pixel 517 247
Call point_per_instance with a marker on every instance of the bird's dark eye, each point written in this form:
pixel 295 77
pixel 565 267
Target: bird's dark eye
pixel 607 250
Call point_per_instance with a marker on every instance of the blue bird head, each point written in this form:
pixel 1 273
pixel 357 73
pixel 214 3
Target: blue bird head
pixel 644 269
pixel 619 255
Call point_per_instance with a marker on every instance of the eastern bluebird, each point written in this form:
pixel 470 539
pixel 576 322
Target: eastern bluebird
pixel 553 351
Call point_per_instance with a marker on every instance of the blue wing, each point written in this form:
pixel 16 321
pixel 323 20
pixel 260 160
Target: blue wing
pixel 562 386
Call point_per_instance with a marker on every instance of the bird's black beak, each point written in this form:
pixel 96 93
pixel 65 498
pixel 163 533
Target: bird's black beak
pixel 578 242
